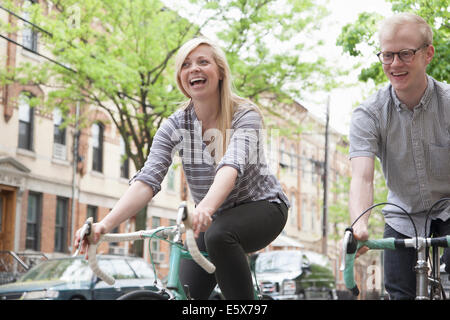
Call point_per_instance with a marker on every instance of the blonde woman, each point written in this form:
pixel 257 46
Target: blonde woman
pixel 240 206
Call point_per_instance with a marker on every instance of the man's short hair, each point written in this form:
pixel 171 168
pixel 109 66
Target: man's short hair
pixel 393 23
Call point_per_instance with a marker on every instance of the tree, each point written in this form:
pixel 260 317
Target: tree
pixel 338 211
pixel 362 31
pixel 118 56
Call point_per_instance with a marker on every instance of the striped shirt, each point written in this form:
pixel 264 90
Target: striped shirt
pixel 414 150
pixel 182 133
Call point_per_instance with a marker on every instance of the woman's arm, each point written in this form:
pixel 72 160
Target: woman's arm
pixel 133 200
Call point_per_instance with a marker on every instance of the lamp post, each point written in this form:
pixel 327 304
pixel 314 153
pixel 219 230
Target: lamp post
pixel 76 136
pixel 325 181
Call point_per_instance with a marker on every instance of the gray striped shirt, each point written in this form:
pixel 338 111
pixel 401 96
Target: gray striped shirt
pixel 414 149
pixel 182 133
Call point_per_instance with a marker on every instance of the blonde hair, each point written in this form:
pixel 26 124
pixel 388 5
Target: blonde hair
pixel 395 22
pixel 229 101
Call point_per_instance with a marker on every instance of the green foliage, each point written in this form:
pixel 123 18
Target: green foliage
pixel 338 213
pixel 118 56
pixel 362 31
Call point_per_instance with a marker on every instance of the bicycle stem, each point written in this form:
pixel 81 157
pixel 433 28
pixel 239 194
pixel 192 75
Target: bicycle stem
pixel 421 269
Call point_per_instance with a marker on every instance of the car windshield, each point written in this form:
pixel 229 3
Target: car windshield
pixel 61 269
pixel 277 262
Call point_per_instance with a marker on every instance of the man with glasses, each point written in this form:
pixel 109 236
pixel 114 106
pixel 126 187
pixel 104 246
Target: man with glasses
pixel 407 126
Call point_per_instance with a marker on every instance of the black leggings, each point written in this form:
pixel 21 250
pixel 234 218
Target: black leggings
pixel 234 233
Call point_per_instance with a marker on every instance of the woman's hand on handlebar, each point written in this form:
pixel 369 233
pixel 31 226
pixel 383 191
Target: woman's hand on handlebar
pixel 201 218
pixel 97 230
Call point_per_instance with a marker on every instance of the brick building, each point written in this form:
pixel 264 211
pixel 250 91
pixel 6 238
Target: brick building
pixel 39 188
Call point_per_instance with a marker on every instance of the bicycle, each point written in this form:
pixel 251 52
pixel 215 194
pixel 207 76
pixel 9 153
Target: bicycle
pixel 173 290
pixel 427 288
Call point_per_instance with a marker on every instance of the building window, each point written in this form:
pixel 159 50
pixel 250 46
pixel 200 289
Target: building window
pixel 313 217
pixel 92 211
pixel 59 136
pixel 293 159
pixel 1 213
pixel 124 161
pixel 283 162
pixel 304 206
pixel 61 224
pixel 156 222
pixel 97 146
pixel 172 222
pixel 114 244
pixel 293 215
pixel 29 34
pixel 26 117
pixel 33 221
pixel 171 179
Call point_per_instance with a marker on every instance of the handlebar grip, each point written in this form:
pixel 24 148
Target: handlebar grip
pixel 349 277
pixel 93 264
pixel 192 244
pixel 111 237
pixel 196 254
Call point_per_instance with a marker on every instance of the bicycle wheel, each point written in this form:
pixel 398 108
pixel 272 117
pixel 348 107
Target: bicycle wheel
pixel 143 295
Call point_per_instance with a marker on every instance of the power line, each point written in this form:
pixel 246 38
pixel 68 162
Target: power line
pixel 26 21
pixel 37 53
pixel 48 58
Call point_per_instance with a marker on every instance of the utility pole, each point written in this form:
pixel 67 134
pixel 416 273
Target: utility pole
pixel 325 181
pixel 76 136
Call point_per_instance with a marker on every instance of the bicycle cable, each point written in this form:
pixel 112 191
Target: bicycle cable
pixel 153 235
pixel 431 208
pixel 425 232
pixel 392 204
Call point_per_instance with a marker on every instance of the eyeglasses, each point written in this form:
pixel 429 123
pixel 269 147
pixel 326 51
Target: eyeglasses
pixel 406 55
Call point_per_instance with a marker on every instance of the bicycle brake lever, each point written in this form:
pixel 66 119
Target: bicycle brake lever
pixel 85 231
pixel 348 246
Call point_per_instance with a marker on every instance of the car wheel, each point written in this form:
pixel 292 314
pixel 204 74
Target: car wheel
pixel 143 295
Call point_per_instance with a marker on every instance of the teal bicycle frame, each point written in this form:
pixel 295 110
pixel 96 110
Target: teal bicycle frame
pixel 175 289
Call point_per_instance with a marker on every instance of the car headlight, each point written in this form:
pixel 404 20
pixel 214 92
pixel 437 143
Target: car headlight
pixel 42 294
pixel 288 287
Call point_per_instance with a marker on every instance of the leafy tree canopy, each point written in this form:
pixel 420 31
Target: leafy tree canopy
pixel 118 55
pixel 363 31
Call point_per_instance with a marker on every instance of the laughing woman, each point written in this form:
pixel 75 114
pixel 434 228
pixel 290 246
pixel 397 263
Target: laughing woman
pixel 240 206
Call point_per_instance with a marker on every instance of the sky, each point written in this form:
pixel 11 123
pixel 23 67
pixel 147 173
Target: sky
pixel 343 100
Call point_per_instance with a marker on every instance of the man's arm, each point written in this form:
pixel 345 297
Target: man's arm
pixel 361 194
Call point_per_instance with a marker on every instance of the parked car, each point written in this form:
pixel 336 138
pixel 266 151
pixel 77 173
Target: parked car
pixel 295 275
pixel 71 278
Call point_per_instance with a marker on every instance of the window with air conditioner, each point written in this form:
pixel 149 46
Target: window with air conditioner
pixel 59 136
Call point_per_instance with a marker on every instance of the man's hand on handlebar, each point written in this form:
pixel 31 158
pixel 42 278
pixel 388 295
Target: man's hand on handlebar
pixel 361 233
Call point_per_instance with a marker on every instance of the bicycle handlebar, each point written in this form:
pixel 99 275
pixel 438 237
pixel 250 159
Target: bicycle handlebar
pixel 191 243
pixel 351 246
pixel 113 237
